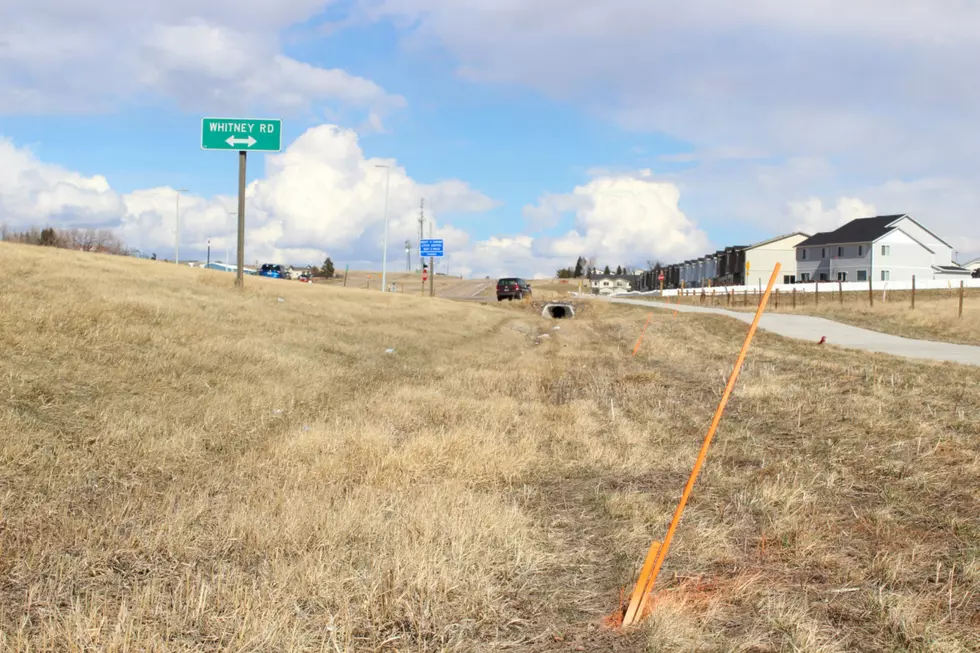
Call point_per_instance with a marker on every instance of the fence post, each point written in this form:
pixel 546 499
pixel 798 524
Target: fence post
pixel 794 297
pixel 745 296
pixel 913 292
pixel 961 298
pixel 816 293
pixel 840 291
pixel 871 294
pixel 777 299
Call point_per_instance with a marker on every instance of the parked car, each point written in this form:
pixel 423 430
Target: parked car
pixel 273 270
pixel 512 288
pixel 306 278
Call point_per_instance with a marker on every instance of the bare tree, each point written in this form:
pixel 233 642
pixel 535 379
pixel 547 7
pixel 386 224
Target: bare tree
pixel 89 240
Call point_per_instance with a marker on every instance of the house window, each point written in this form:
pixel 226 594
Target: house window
pixel 842 276
pixel 823 252
pixel 862 275
pixel 805 276
pixel 860 250
pixel 840 252
pixel 803 252
pixel 886 250
pixel 885 275
pixel 789 278
pixel 823 276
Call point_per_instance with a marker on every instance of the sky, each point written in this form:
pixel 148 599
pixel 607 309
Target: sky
pixel 631 131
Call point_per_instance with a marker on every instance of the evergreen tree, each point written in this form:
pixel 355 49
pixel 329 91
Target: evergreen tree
pixel 49 238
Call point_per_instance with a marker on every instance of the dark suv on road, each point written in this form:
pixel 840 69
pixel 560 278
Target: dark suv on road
pixel 512 288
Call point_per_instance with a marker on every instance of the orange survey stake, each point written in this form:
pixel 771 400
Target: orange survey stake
pixel 658 552
pixel 642 333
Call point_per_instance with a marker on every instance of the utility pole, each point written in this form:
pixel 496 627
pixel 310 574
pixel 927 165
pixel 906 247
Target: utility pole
pixel 421 231
pixel 384 251
pixel 432 261
pixel 408 255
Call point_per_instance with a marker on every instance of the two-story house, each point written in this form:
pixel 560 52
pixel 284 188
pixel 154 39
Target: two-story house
pixel 761 259
pixel 882 248
pixel 608 284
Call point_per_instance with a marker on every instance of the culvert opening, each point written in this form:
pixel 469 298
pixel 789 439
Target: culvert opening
pixel 558 311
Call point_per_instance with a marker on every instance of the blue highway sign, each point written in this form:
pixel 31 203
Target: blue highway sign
pixel 431 247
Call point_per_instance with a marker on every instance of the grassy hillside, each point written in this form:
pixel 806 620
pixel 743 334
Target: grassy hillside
pixel 185 468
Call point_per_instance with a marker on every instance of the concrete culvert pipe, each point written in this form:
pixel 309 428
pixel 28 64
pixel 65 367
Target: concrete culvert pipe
pixel 558 311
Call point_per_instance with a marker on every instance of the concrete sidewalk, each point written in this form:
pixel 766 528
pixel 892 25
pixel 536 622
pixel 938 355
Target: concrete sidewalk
pixel 806 327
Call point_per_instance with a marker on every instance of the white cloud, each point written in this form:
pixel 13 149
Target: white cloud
pixel 785 78
pixel 811 217
pixel 550 209
pixel 222 56
pixel 320 196
pixel 628 219
pixel 32 191
pixel 866 92
pixel 618 218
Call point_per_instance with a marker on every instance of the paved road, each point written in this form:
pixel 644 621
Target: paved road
pixel 806 327
pixel 465 290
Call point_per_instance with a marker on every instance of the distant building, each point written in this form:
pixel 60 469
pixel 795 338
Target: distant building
pixel 227 267
pixel 761 259
pixel 608 284
pixel 882 248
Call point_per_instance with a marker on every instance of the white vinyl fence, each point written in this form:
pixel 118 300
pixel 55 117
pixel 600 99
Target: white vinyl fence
pixel 812 287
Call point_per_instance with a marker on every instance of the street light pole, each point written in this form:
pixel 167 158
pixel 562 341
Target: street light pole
pixel 209 253
pixel 177 228
pixel 384 252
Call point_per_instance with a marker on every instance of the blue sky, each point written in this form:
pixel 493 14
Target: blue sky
pixel 536 133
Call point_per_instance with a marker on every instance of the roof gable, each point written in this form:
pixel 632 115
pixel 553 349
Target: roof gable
pixel 777 239
pixel 922 227
pixel 861 230
pixel 915 240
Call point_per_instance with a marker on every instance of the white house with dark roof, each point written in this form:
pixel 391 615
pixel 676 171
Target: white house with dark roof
pixel 610 284
pixel 884 248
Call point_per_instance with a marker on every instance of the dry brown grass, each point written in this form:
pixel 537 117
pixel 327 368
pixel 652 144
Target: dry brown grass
pixel 936 314
pixel 183 467
pixel 405 283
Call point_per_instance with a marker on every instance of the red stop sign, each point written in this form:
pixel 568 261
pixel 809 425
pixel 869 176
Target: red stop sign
pixel 425 275
pixel 661 277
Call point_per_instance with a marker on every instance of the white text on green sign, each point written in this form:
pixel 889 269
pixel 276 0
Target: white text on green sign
pixel 241 134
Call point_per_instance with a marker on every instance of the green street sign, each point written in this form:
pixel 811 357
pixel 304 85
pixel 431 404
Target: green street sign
pixel 246 134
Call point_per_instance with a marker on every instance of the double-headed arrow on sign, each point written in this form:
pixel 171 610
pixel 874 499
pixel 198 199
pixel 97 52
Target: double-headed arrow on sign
pixel 250 141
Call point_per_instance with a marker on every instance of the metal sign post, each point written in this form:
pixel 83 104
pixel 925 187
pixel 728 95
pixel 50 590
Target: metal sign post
pixel 241 135
pixel 431 247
